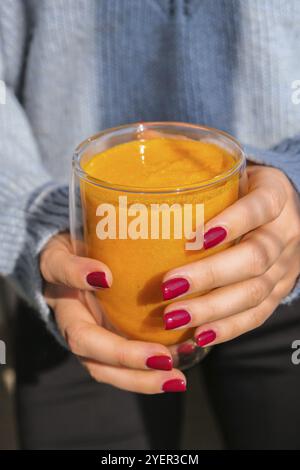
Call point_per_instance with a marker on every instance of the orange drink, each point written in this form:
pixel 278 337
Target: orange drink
pixel 125 174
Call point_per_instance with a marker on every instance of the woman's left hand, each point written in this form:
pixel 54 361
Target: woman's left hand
pixel 247 281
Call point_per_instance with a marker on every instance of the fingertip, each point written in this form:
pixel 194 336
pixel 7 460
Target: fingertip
pixel 214 236
pixel 205 336
pixel 96 275
pixel 174 287
pixel 174 386
pixel 160 362
pixel 98 280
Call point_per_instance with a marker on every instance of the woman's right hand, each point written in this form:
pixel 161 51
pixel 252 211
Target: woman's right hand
pixel 108 357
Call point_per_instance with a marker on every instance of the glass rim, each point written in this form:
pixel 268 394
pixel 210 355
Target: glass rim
pixel 83 175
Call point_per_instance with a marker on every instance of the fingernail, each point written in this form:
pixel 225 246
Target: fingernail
pixel 176 318
pixel 174 385
pixel 174 287
pixel 159 362
pixel 214 236
pixel 186 348
pixel 97 279
pixel 205 337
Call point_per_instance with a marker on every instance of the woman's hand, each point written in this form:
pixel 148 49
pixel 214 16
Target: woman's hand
pixel 70 281
pixel 247 281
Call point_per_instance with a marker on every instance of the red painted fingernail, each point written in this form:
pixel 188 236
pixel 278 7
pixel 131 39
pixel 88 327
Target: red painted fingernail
pixel 214 236
pixel 159 362
pixel 205 337
pixel 176 318
pixel 97 279
pixel 186 349
pixel 174 385
pixel 174 287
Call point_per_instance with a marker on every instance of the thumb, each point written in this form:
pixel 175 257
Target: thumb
pixel 59 265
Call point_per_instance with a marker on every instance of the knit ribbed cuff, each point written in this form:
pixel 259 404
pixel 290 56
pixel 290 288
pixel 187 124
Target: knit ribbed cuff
pixel 285 157
pixel 46 215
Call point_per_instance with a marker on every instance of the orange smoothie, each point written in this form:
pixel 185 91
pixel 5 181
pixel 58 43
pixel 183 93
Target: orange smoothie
pixel 164 168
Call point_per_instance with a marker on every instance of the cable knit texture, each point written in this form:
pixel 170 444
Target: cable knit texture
pixel 74 67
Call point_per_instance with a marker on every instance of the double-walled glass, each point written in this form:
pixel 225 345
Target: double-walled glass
pixel 133 305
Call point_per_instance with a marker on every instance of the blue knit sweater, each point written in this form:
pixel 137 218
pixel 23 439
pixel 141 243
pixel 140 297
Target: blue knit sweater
pixel 74 67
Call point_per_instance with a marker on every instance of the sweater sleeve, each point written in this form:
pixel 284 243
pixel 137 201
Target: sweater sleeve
pixel 32 206
pixel 286 157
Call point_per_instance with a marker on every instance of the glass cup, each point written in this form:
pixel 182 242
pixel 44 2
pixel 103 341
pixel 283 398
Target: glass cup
pixel 133 306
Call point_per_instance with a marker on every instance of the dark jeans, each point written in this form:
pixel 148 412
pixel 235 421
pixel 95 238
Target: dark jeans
pixel 253 385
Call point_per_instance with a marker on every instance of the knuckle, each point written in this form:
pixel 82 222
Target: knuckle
pixel 233 331
pixel 121 355
pixel 236 330
pixel 257 318
pixel 246 216
pixel 73 336
pixel 294 233
pixel 212 309
pixel 276 198
pixel 67 273
pixel 259 259
pixel 210 275
pixel 257 291
pixel 281 290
